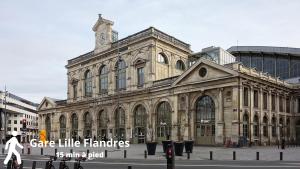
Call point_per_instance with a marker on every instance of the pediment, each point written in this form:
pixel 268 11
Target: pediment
pixel 47 103
pixel 204 71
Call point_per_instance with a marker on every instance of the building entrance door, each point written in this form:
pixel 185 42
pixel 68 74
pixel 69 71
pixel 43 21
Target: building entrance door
pixel 205 121
pixel 298 134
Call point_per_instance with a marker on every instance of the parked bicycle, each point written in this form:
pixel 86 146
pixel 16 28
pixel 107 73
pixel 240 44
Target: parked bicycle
pixel 49 164
pixel 62 164
pixel 77 164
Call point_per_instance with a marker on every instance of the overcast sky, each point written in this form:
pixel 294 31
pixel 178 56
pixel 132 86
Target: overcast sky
pixel 38 37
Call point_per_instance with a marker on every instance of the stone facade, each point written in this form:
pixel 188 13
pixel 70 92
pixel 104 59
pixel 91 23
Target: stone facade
pixel 205 102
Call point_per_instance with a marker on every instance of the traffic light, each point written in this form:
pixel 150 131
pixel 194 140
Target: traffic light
pixel 24 123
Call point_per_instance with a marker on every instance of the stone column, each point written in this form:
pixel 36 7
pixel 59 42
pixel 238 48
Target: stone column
pixel 220 120
pixel 251 113
pixel 235 120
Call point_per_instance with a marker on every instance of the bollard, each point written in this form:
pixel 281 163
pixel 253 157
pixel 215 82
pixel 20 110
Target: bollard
pixel 28 150
pixel 145 154
pixel 234 155
pixel 33 165
pixel 2 150
pixel 23 151
pixel 210 155
pixel 281 156
pixel 129 167
pixel 55 152
pixel 42 151
pixel 125 153
pixel 188 155
pixel 71 151
pixel 87 152
pixel 257 155
pixel 105 153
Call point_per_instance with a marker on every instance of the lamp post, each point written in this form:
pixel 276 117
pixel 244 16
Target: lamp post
pixel 5 114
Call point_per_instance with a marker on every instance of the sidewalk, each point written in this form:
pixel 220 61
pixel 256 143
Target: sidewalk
pixel 136 151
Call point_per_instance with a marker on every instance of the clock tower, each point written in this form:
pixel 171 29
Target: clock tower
pixel 103 34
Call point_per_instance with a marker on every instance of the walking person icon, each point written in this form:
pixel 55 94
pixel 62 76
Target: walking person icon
pixel 11 146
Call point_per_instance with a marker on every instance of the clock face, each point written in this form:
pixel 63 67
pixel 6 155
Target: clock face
pixel 102 38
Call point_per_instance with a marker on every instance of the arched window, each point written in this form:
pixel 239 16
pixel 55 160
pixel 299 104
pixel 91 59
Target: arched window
pixel 74 125
pixel 274 134
pixel 48 127
pixel 120 123
pixel 87 119
pixel 180 65
pixel 255 126
pixel 121 75
pixel 265 126
pixel 102 124
pixel 103 76
pixel 163 120
pixel 205 120
pixel 140 123
pixel 162 58
pixel 62 126
pixel 246 125
pixel 88 83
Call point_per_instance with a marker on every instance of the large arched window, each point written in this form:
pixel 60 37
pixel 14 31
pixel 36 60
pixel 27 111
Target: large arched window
pixel 163 120
pixel 121 75
pixel 255 126
pixel 246 125
pixel 103 84
pixel 274 133
pixel 140 123
pixel 87 119
pixel 120 124
pixel 180 65
pixel 74 125
pixel 205 120
pixel 265 126
pixel 88 83
pixel 102 124
pixel 162 58
pixel 62 126
pixel 48 127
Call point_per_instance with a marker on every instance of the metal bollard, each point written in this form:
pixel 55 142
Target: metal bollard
pixel 129 167
pixel 105 153
pixel 234 155
pixel 145 154
pixel 2 150
pixel 23 151
pixel 210 155
pixel 125 153
pixel 281 156
pixel 33 165
pixel 42 151
pixel 87 152
pixel 55 152
pixel 71 151
pixel 188 155
pixel 28 150
pixel 257 155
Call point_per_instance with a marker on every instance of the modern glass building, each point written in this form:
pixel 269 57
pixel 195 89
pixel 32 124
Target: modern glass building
pixel 282 62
